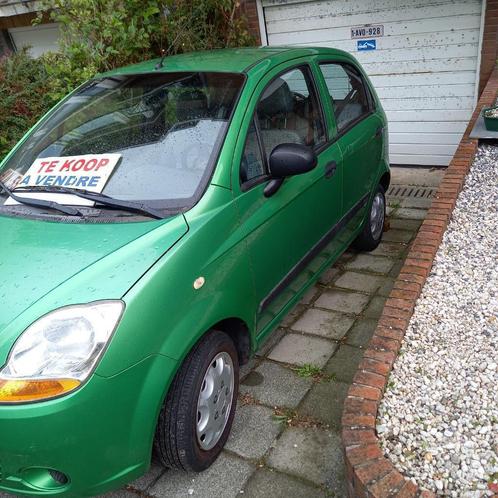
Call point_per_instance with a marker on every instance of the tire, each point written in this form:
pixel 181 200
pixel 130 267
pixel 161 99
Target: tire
pixel 371 234
pixel 178 440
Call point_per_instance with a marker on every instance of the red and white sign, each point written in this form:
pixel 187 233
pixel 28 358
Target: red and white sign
pixel 89 172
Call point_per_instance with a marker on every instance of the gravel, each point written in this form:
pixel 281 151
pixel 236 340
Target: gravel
pixel 438 421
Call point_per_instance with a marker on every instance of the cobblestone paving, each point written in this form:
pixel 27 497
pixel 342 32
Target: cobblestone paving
pixel 285 439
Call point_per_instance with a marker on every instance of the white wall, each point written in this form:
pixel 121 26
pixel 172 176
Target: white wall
pixel 41 38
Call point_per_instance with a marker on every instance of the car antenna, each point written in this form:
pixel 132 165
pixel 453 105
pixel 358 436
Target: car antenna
pixel 160 64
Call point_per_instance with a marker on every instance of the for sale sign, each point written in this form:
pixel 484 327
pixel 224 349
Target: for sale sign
pixel 89 172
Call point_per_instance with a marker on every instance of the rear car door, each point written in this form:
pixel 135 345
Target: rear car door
pixel 284 232
pixel 359 130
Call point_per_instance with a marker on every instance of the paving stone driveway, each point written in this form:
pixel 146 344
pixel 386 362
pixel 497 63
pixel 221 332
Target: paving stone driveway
pixel 285 440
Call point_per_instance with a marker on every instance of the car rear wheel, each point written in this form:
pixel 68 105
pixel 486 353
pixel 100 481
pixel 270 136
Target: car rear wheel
pixel 198 411
pixel 371 235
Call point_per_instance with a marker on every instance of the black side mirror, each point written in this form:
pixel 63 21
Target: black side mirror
pixel 289 160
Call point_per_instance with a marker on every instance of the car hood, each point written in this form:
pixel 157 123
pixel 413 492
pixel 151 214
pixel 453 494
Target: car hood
pixel 63 263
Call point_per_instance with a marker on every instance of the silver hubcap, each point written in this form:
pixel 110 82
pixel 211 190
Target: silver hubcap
pixel 215 401
pixel 377 216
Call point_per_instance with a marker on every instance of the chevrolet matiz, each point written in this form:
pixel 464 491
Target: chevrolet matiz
pixel 156 226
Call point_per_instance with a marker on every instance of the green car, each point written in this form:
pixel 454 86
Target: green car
pixel 156 226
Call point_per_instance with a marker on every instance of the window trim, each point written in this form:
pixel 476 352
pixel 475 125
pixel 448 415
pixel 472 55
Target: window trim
pixel 372 104
pixel 248 184
pixel 311 81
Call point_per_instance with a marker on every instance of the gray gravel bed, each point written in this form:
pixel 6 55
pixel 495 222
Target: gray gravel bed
pixel 438 421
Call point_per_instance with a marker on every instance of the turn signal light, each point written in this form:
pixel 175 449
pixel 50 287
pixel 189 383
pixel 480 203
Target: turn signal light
pixel 19 391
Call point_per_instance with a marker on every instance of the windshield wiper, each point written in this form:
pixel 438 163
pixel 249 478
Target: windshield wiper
pixel 40 202
pixel 136 207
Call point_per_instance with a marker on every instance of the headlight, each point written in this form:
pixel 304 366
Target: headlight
pixel 55 354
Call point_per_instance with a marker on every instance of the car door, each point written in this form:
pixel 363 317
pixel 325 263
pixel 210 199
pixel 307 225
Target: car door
pixel 286 231
pixel 359 133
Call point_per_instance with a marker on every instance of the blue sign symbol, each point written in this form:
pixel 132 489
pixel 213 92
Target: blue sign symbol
pixel 366 44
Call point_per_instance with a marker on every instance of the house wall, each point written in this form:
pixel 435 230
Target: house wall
pixel 17 21
pixel 489 52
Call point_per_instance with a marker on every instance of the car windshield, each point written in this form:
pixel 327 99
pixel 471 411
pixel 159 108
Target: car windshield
pixel 160 132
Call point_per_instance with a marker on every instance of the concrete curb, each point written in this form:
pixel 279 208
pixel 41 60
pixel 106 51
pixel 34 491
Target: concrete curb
pixel 369 473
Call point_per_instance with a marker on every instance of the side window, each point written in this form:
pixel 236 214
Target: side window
pixel 347 92
pixel 288 112
pixel 252 165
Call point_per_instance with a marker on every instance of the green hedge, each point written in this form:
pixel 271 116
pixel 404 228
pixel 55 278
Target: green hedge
pixel 24 97
pixel 98 35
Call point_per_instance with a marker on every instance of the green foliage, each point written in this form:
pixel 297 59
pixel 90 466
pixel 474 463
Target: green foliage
pixel 316 373
pixel 203 25
pixel 24 96
pixel 99 35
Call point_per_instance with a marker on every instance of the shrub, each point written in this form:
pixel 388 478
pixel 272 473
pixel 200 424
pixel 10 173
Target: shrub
pixel 24 97
pixel 99 35
pixel 204 25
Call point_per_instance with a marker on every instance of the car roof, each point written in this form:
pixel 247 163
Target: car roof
pixel 235 60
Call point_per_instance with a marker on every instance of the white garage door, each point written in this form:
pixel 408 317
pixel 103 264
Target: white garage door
pixel 424 67
pixel 40 39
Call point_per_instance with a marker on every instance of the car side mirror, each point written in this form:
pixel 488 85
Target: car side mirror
pixel 289 160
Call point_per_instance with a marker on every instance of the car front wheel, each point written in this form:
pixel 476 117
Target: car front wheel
pixel 371 235
pixel 198 412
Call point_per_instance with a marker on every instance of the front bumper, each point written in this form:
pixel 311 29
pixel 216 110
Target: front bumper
pixel 100 436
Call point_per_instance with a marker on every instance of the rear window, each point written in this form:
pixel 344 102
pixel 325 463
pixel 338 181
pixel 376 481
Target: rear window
pixel 348 93
pixel 167 129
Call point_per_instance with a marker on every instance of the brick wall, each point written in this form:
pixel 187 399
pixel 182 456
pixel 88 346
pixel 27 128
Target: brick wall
pixel 249 9
pixel 17 21
pixel 489 51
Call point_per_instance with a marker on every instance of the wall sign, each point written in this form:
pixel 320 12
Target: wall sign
pixel 362 45
pixel 367 31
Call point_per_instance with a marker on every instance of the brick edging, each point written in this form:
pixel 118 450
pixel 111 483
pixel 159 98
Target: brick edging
pixel 369 473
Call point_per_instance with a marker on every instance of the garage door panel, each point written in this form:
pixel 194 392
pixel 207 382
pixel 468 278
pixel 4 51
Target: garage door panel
pixel 425 137
pixel 426 116
pixel 408 92
pixel 419 159
pixel 419 54
pixel 412 67
pixel 423 79
pixel 434 127
pixel 292 9
pixel 342 37
pixel 440 29
pixel 343 12
pixel 429 149
pixel 423 68
pixel 466 17
pixel 449 103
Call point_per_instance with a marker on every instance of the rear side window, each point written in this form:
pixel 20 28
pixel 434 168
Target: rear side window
pixel 288 112
pixel 348 93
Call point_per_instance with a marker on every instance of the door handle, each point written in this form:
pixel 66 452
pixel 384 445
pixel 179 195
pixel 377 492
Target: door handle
pixel 330 169
pixel 379 131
